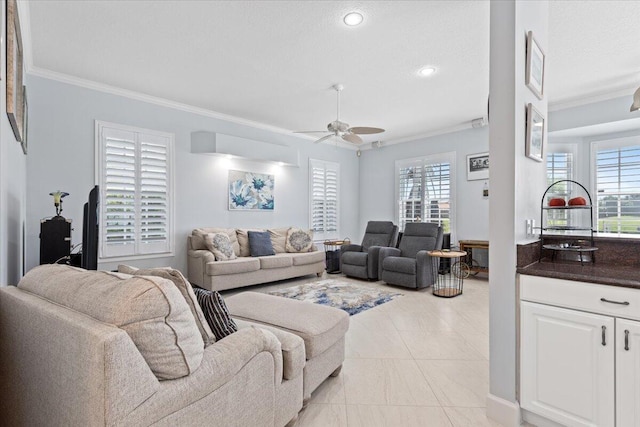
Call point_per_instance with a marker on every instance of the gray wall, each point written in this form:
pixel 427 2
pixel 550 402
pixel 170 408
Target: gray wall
pixel 62 157
pixel 377 180
pixel 12 186
pixel 608 111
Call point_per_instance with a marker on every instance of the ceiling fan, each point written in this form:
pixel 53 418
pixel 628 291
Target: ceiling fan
pixel 339 129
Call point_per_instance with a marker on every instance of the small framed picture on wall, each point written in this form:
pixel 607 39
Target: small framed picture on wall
pixel 534 148
pixel 534 75
pixel 477 166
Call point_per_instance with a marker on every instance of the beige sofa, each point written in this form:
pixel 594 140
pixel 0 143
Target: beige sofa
pixel 206 272
pixel 64 360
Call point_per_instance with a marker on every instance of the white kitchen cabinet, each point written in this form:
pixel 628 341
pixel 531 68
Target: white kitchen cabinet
pixel 628 373
pixel 567 365
pixel 572 371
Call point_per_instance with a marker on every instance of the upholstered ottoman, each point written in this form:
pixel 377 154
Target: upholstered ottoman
pixel 321 328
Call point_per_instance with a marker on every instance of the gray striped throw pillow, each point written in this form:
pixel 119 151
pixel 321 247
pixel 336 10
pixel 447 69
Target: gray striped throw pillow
pixel 216 312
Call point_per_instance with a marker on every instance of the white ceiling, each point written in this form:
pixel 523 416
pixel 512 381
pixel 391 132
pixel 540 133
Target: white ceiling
pixel 273 62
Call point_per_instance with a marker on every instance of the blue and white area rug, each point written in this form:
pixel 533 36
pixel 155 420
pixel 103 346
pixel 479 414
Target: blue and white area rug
pixel 346 296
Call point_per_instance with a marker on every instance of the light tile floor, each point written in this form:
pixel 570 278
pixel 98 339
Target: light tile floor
pixel 418 360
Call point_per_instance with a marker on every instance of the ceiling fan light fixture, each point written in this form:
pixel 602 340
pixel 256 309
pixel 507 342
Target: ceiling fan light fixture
pixel 636 101
pixel 353 19
pixel 427 71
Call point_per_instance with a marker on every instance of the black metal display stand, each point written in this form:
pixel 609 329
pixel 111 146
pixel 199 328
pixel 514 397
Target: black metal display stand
pixel 561 220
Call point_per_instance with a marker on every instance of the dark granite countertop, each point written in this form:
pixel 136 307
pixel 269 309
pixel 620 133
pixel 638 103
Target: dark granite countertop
pixel 604 274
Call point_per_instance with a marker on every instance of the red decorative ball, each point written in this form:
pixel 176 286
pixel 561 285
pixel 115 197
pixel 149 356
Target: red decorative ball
pixel 557 202
pixel 577 201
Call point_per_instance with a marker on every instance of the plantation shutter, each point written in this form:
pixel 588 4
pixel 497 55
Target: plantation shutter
pixel 324 196
pixel 438 194
pixel 559 167
pixel 119 191
pixel 331 197
pixel 317 198
pixel 135 192
pixel 425 190
pixel 154 194
pixel 410 184
pixel 618 189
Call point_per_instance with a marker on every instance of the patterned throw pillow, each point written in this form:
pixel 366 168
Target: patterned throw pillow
pixel 299 240
pixel 216 312
pixel 220 245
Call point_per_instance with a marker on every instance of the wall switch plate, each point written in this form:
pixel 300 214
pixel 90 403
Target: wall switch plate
pixel 529 224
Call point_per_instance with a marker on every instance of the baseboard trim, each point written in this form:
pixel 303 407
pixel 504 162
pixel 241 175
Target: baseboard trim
pixel 503 411
pixel 538 420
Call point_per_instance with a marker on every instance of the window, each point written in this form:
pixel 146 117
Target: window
pixel 324 178
pixel 617 183
pixel 426 191
pixel 134 173
pixel 559 166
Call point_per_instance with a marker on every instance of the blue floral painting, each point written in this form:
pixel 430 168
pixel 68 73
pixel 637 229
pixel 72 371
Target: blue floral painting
pixel 250 191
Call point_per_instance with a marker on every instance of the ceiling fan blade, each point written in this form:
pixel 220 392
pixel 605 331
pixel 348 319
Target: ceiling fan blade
pixel 353 138
pixel 364 130
pixel 312 131
pixel 324 138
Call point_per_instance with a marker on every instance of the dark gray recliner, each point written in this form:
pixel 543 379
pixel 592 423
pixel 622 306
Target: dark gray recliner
pixel 409 265
pixel 362 260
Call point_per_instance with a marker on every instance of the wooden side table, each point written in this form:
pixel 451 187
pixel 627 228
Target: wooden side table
pixel 468 246
pixel 446 284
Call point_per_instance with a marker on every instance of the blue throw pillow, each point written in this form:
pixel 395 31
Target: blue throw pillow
pixel 260 243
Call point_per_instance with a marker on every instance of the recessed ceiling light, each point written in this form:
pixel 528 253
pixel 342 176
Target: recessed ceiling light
pixel 353 18
pixel 427 71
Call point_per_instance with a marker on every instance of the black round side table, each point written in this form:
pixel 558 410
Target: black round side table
pixel 445 283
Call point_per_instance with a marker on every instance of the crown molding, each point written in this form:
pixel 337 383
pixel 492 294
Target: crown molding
pixel 113 90
pixel 599 96
pixel 163 102
pixel 441 131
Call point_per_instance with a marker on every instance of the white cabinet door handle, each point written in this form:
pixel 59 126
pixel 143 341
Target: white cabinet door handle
pixel 604 335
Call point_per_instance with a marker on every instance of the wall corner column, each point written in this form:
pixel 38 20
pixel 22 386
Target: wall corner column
pixel 516 184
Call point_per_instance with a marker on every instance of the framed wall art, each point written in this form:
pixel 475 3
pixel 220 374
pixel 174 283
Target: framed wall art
pixel 250 191
pixel 477 166
pixel 534 75
pixel 15 95
pixel 25 114
pixel 534 148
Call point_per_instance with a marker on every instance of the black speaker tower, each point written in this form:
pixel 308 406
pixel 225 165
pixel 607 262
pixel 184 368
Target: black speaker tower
pixel 55 240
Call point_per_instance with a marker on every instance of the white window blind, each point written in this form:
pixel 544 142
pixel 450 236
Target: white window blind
pixel 411 183
pixel 134 174
pixel 617 183
pixel 425 190
pixel 324 179
pixel 559 166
